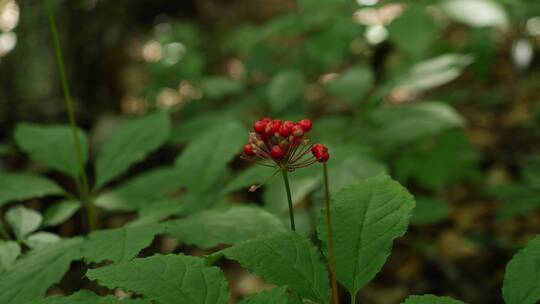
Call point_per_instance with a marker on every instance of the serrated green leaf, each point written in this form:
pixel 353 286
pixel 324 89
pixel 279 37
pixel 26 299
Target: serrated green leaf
pixel 285 259
pixel 19 187
pixel 9 252
pixel 52 145
pixel 87 297
pixel 285 88
pixel 522 275
pixel 167 279
pixel 23 221
pixel 30 277
pixel 430 299
pixel 40 239
pixel 354 84
pixel 366 218
pixel 203 162
pixel 120 244
pixel 406 123
pixel 60 212
pixel 158 211
pixel 277 295
pixel 213 227
pixel 142 190
pixel 131 144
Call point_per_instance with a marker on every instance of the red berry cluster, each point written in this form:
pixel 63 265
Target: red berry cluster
pixel 284 143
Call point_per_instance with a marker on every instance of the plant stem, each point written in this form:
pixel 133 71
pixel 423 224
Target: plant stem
pixel 288 190
pixel 353 299
pixel 331 254
pixel 82 181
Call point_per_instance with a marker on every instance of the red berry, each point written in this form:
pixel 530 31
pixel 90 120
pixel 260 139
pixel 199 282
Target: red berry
pixel 248 150
pixel 323 158
pixel 277 152
pixel 273 127
pixel 285 130
pixel 260 126
pixel 297 131
pixel 318 150
pixel 306 124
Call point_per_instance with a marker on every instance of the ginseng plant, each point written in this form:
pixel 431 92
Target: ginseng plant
pixel 285 146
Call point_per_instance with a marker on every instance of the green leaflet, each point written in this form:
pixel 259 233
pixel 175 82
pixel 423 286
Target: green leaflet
pixel 213 227
pixel 353 85
pixel 60 212
pixel 167 279
pixel 285 259
pixel 366 218
pixel 23 221
pixel 9 252
pixel 120 244
pixel 277 295
pixel 131 144
pixel 522 277
pixel 141 190
pixel 285 88
pixel 430 299
pixel 19 186
pixel 205 159
pixel 52 145
pixel 30 277
pixel 87 297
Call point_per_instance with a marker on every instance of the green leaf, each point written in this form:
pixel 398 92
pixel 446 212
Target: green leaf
pixel 285 259
pixel 60 212
pixel 9 252
pixel 476 13
pixel 87 297
pixel 251 176
pixel 277 295
pixel 120 244
pixel 430 299
pixel 353 85
pixel 414 20
pixel 219 87
pixel 158 211
pixel 131 144
pixel 430 211
pixel 366 218
pixel 521 279
pixel 41 239
pixel 19 187
pixel 213 227
pixel 30 277
pixel 285 88
pixel 406 123
pixel 167 279
pixel 52 145
pixel 203 162
pixel 23 221
pixel 142 190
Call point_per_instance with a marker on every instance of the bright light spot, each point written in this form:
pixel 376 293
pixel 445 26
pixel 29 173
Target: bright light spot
pixel 533 26
pixel 186 89
pixel 8 41
pixel 168 98
pixel 367 2
pixel 134 105
pixel 376 34
pixel 9 16
pixel 236 69
pixel 378 16
pixel 522 53
pixel 328 78
pixel 174 52
pixel 152 51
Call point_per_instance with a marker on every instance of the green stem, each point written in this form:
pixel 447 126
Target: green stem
pixel 353 299
pixel 331 254
pixel 288 190
pixel 82 181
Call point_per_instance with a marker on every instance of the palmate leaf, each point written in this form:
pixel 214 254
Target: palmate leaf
pixel 203 162
pixel 18 187
pixel 167 279
pixel 210 228
pixel 30 277
pixel 87 297
pixel 285 259
pixel 9 252
pixel 23 221
pixel 430 299
pixel 52 145
pixel 522 277
pixel 131 144
pixel 366 218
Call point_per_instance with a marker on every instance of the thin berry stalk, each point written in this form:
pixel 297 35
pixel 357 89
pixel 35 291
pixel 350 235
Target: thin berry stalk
pixel 331 254
pixel 289 198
